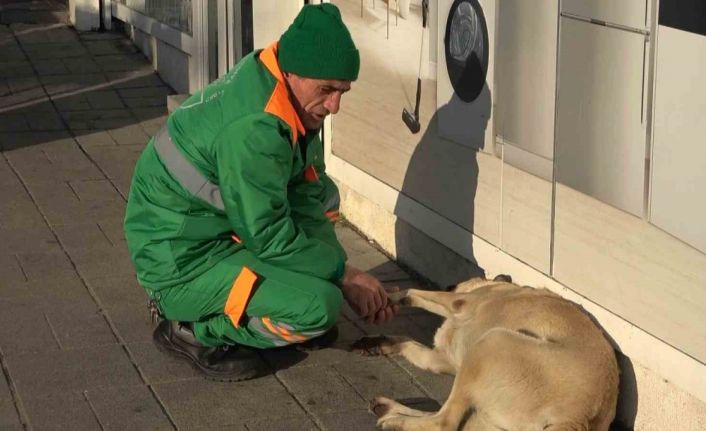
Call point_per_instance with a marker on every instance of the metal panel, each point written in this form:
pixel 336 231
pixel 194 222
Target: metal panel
pixel 600 146
pixel 631 13
pixel 526 75
pixel 679 155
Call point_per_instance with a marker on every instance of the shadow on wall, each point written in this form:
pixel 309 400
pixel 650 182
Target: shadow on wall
pixel 443 177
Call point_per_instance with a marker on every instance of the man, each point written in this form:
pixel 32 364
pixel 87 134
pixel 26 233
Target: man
pixel 230 216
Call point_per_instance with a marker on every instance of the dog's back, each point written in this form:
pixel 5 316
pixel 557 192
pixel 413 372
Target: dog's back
pixel 535 359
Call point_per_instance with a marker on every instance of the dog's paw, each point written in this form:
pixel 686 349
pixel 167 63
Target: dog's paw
pixel 399 297
pixel 371 346
pixel 380 406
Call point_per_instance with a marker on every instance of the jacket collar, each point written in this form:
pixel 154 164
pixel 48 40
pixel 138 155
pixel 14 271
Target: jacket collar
pixel 280 104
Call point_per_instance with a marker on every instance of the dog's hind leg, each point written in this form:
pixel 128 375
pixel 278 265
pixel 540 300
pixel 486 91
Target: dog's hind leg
pixel 455 411
pixel 416 353
pixel 445 304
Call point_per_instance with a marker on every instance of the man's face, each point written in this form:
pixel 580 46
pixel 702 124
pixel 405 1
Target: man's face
pixel 314 99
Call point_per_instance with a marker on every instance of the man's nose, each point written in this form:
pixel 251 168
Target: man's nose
pixel 333 102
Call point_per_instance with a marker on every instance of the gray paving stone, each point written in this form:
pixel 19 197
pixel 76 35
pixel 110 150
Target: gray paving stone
pixel 284 360
pixel 80 329
pixel 53 66
pixel 4 88
pixel 122 183
pixel 123 62
pixel 154 91
pixel 134 79
pixel 55 84
pixel 118 161
pixel 102 262
pixel 119 291
pixel 10 272
pixel 113 230
pixel 110 47
pixel 92 35
pixel 8 179
pixel 35 165
pixel 55 50
pixel 205 404
pixel 66 287
pixel 95 139
pixel 28 98
pixel 9 419
pixel 438 386
pixel 104 99
pixel 132 322
pixel 31 143
pixel 81 236
pixel 27 239
pixel 45 121
pixel 350 420
pixel 44 264
pixel 69 370
pixel 60 411
pixel 13 123
pixel 128 408
pixel 83 212
pixel 63 320
pixel 95 190
pixel 279 424
pixel 97 119
pixel 81 65
pixel 379 377
pixel 29 34
pixel 142 102
pixel 132 134
pixel 320 389
pixel 70 103
pixel 24 328
pixel 159 367
pixel 23 83
pixel 17 209
pixel 20 67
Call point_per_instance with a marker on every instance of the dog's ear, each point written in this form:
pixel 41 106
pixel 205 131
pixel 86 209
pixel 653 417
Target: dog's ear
pixel 503 277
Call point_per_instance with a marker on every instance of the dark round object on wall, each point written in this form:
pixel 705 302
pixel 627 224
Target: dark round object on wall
pixel 466 47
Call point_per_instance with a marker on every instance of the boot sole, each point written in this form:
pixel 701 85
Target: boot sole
pixel 166 346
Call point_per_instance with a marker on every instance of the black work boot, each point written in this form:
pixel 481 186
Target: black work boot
pixel 224 363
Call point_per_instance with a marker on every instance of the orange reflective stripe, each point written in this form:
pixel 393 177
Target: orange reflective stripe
pixel 239 295
pixel 236 238
pixel 279 104
pixel 281 332
pixel 286 333
pixel 310 174
pixel 332 215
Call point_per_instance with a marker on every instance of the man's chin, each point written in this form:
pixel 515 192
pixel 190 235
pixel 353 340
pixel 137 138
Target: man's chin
pixel 314 125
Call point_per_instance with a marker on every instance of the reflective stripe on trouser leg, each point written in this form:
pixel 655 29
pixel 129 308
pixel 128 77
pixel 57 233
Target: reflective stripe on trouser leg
pixel 280 333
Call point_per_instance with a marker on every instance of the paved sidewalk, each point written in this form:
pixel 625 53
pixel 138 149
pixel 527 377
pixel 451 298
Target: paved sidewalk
pixel 75 339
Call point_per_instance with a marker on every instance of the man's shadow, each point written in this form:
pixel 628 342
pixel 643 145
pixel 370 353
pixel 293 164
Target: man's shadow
pixel 442 177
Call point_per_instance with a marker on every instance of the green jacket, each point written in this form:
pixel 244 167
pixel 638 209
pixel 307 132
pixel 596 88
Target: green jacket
pixel 243 134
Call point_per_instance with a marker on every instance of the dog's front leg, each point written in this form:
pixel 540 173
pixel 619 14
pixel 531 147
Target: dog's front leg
pixel 445 304
pixel 416 353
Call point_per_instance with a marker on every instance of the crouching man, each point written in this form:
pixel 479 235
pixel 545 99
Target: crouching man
pixel 230 215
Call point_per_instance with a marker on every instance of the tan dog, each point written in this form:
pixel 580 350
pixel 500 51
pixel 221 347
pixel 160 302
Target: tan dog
pixel 524 359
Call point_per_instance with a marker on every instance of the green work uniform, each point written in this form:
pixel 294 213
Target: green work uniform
pixel 256 262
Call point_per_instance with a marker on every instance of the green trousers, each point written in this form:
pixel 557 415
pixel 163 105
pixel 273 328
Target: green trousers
pixel 242 300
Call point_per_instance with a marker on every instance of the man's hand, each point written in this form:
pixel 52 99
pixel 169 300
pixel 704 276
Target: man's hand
pixel 367 296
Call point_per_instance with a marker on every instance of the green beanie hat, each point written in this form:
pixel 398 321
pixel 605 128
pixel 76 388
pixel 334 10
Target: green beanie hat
pixel 318 45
